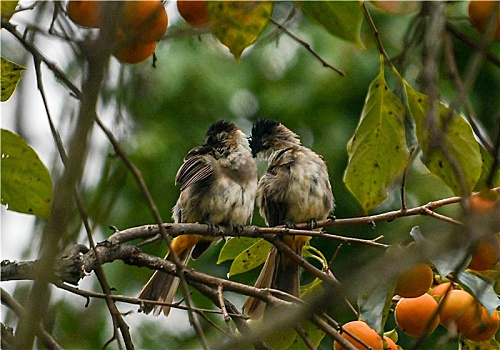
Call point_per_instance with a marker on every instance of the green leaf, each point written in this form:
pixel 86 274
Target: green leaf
pixel 11 74
pixel 312 332
pixel 233 247
pixel 374 305
pixel 456 139
pixel 448 260
pixel 481 290
pixel 487 181
pixel 8 7
pixel 251 257
pixel 237 24
pixel 282 339
pixel 26 184
pixel 377 152
pixel 484 345
pixel 342 19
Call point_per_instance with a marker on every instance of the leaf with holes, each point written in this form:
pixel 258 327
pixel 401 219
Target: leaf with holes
pixel 26 183
pixel 251 257
pixel 449 148
pixel 11 74
pixel 377 152
pixel 233 247
pixel 342 19
pixel 237 24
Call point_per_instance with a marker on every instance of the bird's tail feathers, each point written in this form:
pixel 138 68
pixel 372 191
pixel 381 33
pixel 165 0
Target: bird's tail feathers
pixel 162 286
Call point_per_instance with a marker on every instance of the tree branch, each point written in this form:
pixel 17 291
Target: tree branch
pixel 46 339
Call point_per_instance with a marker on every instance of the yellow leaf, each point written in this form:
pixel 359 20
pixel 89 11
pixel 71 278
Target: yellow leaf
pixel 237 24
pixel 11 74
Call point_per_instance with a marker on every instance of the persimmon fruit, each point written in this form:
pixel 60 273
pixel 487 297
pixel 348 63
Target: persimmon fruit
pixel 144 21
pixel 479 326
pixel 417 316
pixel 194 12
pixel 391 345
pixel 441 289
pixel 415 281
pixel 361 330
pixel 479 15
pixel 457 305
pixel 135 52
pixel 85 13
pixel 487 254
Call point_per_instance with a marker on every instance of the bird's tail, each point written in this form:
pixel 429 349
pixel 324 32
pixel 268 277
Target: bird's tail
pixel 279 272
pixel 163 286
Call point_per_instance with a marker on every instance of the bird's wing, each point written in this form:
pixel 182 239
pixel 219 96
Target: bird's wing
pixel 274 185
pixel 196 167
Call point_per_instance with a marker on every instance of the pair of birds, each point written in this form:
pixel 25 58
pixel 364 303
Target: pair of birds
pixel 218 187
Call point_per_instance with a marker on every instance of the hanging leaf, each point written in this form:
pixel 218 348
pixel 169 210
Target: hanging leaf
pixel 377 152
pixel 487 179
pixel 455 138
pixel 11 74
pixel 375 304
pixel 481 290
pixel 233 247
pixel 448 261
pixel 26 184
pixel 250 258
pixel 342 19
pixel 237 24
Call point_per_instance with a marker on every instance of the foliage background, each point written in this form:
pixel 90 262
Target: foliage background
pixel 160 113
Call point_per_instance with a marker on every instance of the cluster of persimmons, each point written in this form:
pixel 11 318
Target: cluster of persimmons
pixel 422 304
pixel 139 27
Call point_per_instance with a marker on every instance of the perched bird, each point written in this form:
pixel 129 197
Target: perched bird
pixel 218 186
pixel 295 189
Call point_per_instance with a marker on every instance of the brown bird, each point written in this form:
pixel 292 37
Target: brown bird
pixel 218 186
pixel 295 189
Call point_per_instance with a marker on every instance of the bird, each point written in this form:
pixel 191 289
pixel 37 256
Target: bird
pixel 295 189
pixel 218 187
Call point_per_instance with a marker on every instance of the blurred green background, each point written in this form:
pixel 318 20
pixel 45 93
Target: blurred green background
pixel 162 112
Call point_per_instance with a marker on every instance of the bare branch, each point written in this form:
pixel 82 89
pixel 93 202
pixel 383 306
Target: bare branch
pixel 308 47
pixel 46 339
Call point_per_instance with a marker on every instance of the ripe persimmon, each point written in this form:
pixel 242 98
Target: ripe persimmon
pixel 487 254
pixel 479 326
pixel 457 304
pixel 85 13
pixel 193 12
pixel 134 52
pixel 417 316
pixel 441 289
pixel 479 14
pixel 391 345
pixel 144 21
pixel 415 281
pixel 361 330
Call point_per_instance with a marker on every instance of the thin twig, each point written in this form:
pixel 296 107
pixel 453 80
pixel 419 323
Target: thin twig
pixel 156 214
pixel 221 303
pixel 300 331
pixel 147 231
pixel 472 43
pixel 308 47
pixel 133 300
pixel 46 339
pixel 376 33
pixel 464 88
